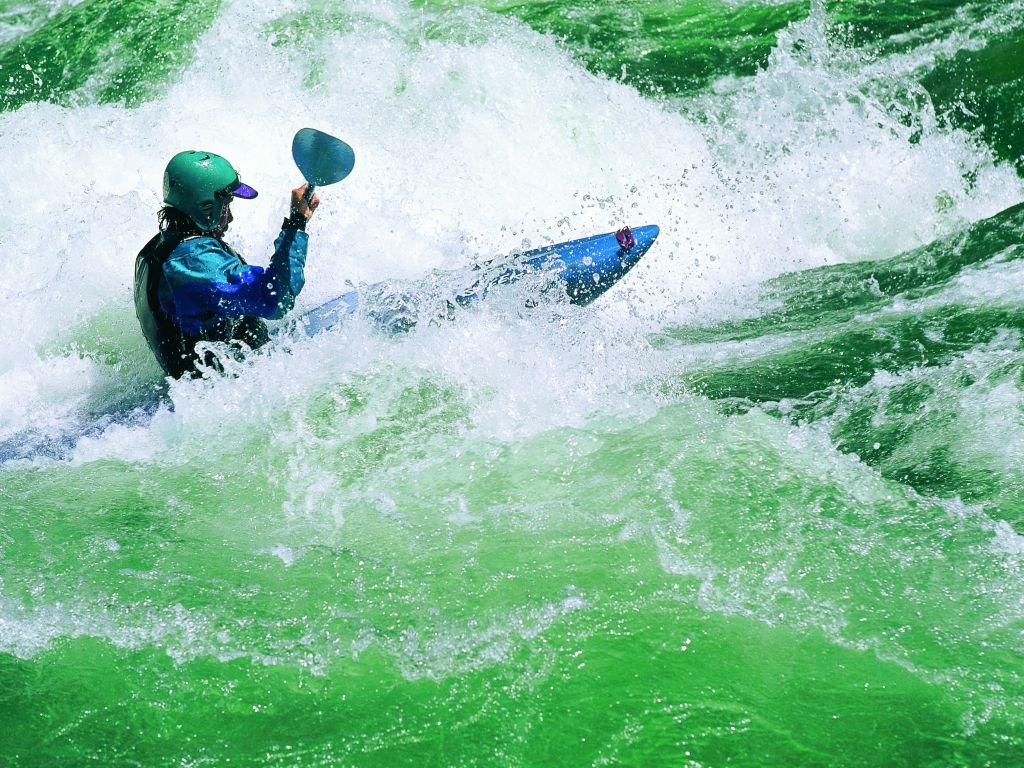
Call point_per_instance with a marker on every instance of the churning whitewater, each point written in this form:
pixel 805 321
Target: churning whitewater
pixel 759 504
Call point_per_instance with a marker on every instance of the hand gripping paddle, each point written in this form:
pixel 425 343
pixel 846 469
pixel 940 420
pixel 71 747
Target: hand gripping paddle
pixel 322 158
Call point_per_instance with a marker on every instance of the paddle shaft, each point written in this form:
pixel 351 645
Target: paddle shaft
pixel 308 194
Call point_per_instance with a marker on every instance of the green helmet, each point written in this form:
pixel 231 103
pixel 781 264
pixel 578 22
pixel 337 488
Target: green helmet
pixel 201 184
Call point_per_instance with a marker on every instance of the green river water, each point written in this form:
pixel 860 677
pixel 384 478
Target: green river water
pixel 760 505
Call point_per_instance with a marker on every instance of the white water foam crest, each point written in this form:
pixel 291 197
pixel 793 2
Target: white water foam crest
pixel 19 20
pixel 964 413
pixel 186 634
pixel 818 166
pixel 182 633
pixel 472 142
pixel 970 28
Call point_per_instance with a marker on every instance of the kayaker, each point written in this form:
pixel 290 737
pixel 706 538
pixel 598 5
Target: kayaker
pixel 192 287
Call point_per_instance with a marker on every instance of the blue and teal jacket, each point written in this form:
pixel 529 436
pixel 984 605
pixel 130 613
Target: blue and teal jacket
pixel 191 288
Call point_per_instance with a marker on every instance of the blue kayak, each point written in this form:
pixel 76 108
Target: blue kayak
pixel 584 269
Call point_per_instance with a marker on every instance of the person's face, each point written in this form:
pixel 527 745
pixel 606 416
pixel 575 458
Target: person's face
pixel 225 220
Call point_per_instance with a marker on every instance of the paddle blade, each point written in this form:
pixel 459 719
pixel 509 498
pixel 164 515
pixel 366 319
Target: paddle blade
pixel 322 158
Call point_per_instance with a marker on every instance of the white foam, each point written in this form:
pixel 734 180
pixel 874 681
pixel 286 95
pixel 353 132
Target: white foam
pixel 477 142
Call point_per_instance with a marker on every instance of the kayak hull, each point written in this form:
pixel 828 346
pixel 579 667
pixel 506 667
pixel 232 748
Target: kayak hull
pixel 585 268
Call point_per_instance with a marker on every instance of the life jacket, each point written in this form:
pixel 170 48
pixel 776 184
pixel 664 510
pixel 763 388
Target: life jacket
pixel 175 350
